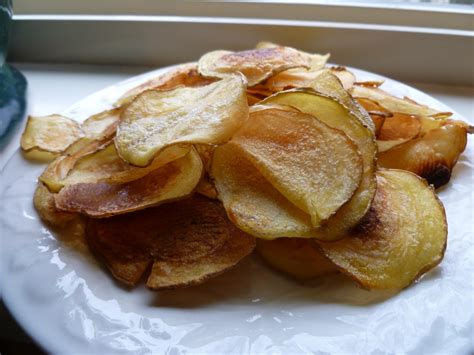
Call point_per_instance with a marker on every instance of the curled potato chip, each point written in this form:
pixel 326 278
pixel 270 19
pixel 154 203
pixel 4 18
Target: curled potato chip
pixel 255 64
pixel 105 165
pixel 296 257
pixel 431 156
pixel 57 170
pixel 45 205
pixel 377 113
pixel 251 202
pixel 316 167
pixel 328 84
pixel 158 119
pixel 102 125
pixel 345 76
pixel 395 104
pixel 336 115
pixel 172 181
pixel 51 134
pixel 183 75
pixel 403 237
pixel 399 126
pixel 187 241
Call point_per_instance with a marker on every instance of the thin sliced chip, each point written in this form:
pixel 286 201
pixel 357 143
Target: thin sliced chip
pixel 157 119
pixel 432 156
pixel 336 115
pixel 58 169
pixel 403 237
pixel 102 125
pixel 51 134
pixel 188 242
pixel 316 167
pixel 377 113
pixel 172 181
pixel 296 257
pixel 395 104
pixel 383 146
pixel 43 201
pixel 105 165
pixel 400 126
pixel 345 76
pixel 183 75
pixel 328 84
pixel 370 83
pixel 255 64
pixel 251 202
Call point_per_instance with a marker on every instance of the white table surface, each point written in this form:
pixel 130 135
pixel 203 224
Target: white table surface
pixel 53 88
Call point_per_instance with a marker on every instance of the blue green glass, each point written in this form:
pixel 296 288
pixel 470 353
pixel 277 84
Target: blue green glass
pixel 12 82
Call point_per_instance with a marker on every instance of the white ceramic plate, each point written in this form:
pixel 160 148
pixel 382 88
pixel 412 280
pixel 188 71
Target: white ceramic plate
pixel 69 304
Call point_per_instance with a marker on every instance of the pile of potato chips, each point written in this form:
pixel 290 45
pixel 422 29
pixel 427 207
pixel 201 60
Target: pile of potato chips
pixel 267 148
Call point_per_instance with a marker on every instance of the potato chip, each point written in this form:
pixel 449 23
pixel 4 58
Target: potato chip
pixel 399 126
pixel 251 202
pixel 255 64
pixel 183 75
pixel 328 84
pixel 187 241
pixel 172 181
pixel 57 170
pixel 317 168
pixel 395 104
pixel 403 237
pixel 102 125
pixel 51 134
pixel 105 165
pixel 157 119
pixel 43 201
pixel 296 257
pixel 336 115
pixel 377 113
pixel 345 76
pixel 431 156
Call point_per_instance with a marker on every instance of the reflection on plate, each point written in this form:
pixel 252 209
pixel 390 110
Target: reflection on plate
pixel 69 303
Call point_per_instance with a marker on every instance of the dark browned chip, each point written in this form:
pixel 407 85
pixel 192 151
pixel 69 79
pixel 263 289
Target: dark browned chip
pixel 187 242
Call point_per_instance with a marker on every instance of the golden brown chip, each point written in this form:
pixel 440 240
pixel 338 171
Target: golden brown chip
pixel 51 134
pixel 251 202
pixel 187 241
pixel 172 181
pixel 377 113
pixel 399 126
pixel 316 167
pixel 183 75
pixel 255 64
pixel 336 115
pixel 156 120
pixel 395 104
pixel 431 156
pixel 43 201
pixel 296 257
pixel 403 237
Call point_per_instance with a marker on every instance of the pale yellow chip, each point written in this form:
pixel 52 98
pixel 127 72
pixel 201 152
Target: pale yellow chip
pixel 336 115
pixel 183 75
pixel 395 104
pixel 296 257
pixel 316 167
pixel 251 202
pixel 102 125
pixel 255 64
pixel 52 133
pixel 105 165
pixel 175 180
pixel 157 119
pixel 43 201
pixel 404 235
pixel 345 76
pixel 327 83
